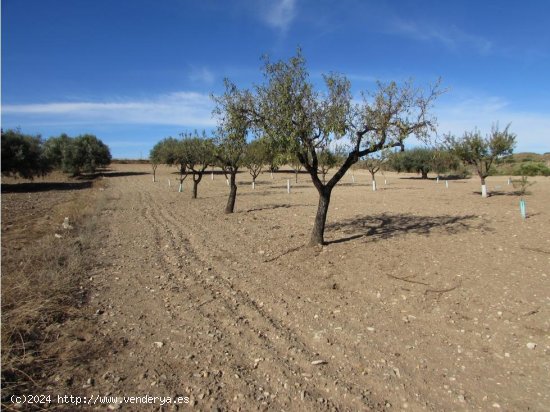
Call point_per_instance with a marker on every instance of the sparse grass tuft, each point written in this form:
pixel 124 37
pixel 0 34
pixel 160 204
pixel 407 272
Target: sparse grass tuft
pixel 42 289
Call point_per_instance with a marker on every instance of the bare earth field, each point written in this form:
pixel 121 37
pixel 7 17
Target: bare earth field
pixel 425 297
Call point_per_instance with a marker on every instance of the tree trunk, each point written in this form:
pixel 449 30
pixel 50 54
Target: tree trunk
pixel 483 188
pixel 318 233
pixel 196 180
pixel 232 193
pixel 424 174
pixel 296 173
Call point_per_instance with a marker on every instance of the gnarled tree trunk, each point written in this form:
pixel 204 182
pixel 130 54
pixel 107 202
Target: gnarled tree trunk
pixel 318 233
pixel 232 192
pixel 196 180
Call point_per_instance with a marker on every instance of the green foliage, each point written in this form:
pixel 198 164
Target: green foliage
pixel 256 156
pixel 233 126
pixel 327 160
pixel 373 162
pixel 419 160
pixel 81 154
pixel 23 155
pixel 532 169
pixel 473 149
pixel 521 185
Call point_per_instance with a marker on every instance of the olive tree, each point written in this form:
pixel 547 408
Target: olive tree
pixel 288 109
pixel 479 152
pixel 233 128
pixel 82 154
pixel 23 155
pixel 418 160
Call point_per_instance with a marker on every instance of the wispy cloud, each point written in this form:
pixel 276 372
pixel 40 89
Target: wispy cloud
pixel 279 14
pixel 450 37
pixel 178 108
pixel 202 75
pixel 532 128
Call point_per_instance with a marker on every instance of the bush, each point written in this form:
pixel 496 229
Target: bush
pixel 532 169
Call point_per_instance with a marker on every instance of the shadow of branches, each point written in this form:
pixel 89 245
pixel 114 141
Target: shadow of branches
pixel 384 226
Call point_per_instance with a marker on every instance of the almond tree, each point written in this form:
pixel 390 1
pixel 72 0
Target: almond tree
pixel 198 154
pixel 326 161
pixel 303 121
pixel 474 150
pixel 233 128
pixel 374 162
pixel 256 157
pixel 171 152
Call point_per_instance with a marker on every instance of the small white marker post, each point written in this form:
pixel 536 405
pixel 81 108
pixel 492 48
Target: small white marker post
pixel 446 184
pixel 509 181
pixel 437 180
pixel 385 181
pixel 169 184
pixel 288 185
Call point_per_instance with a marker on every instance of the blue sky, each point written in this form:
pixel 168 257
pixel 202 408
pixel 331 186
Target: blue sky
pixel 135 71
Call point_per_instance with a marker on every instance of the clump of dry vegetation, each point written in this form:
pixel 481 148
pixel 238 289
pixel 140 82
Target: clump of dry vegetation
pixel 42 291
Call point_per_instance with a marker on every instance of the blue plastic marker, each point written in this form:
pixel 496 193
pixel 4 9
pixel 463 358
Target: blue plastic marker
pixel 522 208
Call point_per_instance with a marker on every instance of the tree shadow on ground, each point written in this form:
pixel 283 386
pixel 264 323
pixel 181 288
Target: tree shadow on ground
pixel 28 187
pixel 385 226
pixel 123 174
pixel 278 206
pixel 491 193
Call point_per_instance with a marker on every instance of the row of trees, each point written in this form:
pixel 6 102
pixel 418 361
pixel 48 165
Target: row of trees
pixel 287 118
pixel 29 156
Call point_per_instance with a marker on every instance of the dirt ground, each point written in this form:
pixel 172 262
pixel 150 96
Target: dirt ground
pixel 425 297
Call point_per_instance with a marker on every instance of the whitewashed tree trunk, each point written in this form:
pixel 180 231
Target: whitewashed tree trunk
pixel 169 184
pixel 483 190
pixel 437 180
pixel 288 185
pixel 180 189
pixel 446 184
pixel 212 176
pixel 253 185
pixel 374 185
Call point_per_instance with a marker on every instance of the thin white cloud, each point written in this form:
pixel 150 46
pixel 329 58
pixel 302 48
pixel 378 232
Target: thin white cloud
pixel 178 108
pixel 279 13
pixel 451 37
pixel 202 75
pixel 532 128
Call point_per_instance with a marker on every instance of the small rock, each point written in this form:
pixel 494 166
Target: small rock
pixel 114 406
pixel 496 405
pixel 319 362
pixel 158 344
pixel 58 236
pixel 531 345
